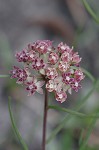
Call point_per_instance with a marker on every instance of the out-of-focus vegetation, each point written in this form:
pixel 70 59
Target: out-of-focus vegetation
pixel 73 125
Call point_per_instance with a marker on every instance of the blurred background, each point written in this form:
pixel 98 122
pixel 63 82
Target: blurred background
pixel 23 22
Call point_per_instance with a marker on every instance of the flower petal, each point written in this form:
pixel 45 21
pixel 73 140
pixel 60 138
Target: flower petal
pixel 40 90
pixel 40 83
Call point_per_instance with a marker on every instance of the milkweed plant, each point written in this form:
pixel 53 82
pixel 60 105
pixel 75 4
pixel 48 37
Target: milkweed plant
pixel 43 64
pixel 56 68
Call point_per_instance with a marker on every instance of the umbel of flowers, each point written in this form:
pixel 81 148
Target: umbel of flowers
pixel 56 67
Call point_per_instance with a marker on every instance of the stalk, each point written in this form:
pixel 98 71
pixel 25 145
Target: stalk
pixel 45 120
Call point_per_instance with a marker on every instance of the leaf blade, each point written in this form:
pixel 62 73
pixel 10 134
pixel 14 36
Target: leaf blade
pixel 89 130
pixel 90 11
pixel 72 112
pixel 17 133
pixel 3 76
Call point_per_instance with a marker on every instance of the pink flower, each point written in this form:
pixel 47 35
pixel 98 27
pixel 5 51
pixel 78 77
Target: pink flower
pixel 75 85
pixel 20 74
pixel 50 85
pixel 34 86
pixel 67 78
pixel 31 55
pixel 22 56
pixel 78 75
pixel 54 85
pixel 63 47
pixel 53 58
pixel 73 78
pixel 43 46
pixel 38 64
pixel 63 66
pixel 25 56
pixel 51 73
pixel 76 59
pixel 58 68
pixel 66 56
pixel 61 96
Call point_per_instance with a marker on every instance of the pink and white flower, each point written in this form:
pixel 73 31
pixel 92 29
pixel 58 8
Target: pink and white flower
pixel 34 86
pixel 20 74
pixel 25 56
pixel 22 56
pixel 50 85
pixel 38 64
pixel 61 96
pixel 66 56
pixel 75 58
pixel 63 66
pixel 67 78
pixel 78 75
pixel 58 68
pixel 51 73
pixel 75 85
pixel 43 46
pixel 53 58
pixel 63 47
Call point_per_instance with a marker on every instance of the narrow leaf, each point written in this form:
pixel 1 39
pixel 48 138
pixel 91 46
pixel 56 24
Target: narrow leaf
pixel 72 112
pixel 90 11
pixel 17 133
pixel 4 76
pixel 81 137
pixel 89 131
pixel 77 108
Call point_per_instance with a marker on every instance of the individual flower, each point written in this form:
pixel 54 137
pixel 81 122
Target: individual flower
pixel 67 78
pixel 53 58
pixel 66 56
pixel 63 47
pixel 75 58
pixel 61 96
pixel 75 85
pixel 43 46
pixel 31 55
pixel 50 85
pixel 38 64
pixel 22 56
pixel 51 73
pixel 19 74
pixel 78 75
pixel 54 85
pixel 25 56
pixel 63 66
pixel 34 86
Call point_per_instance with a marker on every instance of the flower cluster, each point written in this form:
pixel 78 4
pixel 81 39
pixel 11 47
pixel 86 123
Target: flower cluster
pixel 58 68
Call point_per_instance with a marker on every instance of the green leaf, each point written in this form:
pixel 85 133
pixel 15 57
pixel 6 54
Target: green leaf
pixel 81 137
pixel 77 108
pixel 17 133
pixel 78 114
pixel 89 131
pixel 4 76
pixel 90 11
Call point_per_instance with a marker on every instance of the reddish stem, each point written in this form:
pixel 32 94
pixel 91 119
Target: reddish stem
pixel 45 120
